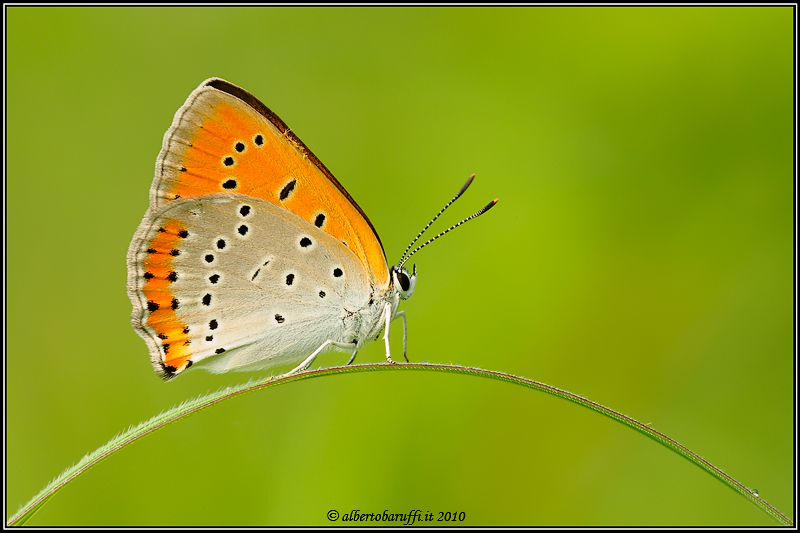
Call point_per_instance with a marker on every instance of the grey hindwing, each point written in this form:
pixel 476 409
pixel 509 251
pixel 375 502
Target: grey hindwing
pixel 257 285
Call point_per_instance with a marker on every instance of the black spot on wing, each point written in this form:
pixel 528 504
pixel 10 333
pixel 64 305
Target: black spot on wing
pixel 287 190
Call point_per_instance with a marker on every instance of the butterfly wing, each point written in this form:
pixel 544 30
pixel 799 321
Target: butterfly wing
pixel 225 140
pixel 237 283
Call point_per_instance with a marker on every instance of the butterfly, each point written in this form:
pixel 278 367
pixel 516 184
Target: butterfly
pixel 251 254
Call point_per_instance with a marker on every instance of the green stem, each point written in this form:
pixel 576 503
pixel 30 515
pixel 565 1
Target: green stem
pixel 192 406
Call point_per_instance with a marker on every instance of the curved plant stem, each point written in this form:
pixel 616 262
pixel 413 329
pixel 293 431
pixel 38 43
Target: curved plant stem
pixel 192 406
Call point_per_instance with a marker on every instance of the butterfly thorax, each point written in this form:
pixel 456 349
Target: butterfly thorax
pixel 371 319
pixel 368 323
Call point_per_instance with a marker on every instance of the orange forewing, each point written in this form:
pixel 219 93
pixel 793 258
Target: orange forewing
pixel 225 140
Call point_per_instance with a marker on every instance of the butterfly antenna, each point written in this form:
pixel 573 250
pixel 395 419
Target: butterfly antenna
pixel 403 258
pixel 451 228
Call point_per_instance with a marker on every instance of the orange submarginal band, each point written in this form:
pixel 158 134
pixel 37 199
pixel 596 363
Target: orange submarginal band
pixel 161 302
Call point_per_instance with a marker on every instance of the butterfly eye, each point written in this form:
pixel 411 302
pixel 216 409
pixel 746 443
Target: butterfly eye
pixel 404 282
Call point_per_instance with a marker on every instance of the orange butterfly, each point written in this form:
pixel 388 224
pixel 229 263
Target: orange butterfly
pixel 252 254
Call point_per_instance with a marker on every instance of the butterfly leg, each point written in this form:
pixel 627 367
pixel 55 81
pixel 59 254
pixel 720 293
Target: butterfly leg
pixel 310 359
pixel 402 314
pixel 387 312
pixel 352 358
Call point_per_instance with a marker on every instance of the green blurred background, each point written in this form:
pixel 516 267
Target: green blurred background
pixel 640 255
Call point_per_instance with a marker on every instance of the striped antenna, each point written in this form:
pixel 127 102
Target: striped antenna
pixel 403 258
pixel 451 228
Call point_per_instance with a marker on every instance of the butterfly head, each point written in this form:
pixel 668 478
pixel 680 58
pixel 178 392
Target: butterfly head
pixel 403 281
